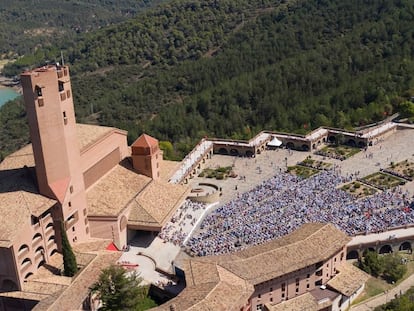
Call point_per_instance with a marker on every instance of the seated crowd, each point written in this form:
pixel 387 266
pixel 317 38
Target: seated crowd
pixel 283 203
pixel 175 230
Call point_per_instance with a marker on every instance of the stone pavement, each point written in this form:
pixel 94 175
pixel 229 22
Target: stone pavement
pixel 385 297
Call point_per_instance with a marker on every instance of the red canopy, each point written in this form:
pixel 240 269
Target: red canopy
pixel 112 247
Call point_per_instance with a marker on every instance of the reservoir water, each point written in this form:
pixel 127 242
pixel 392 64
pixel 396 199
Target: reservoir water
pixel 7 94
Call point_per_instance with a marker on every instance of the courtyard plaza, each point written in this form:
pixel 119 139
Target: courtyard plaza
pixel 253 171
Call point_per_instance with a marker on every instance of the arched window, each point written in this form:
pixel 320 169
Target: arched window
pixel 23 248
pixel 37 236
pixel 53 252
pixel 26 260
pixel 27 275
pixel 40 249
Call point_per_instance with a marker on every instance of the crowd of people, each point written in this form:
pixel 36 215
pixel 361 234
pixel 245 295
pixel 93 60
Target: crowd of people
pixel 183 220
pixel 281 204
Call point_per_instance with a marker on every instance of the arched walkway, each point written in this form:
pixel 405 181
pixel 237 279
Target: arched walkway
pixel 290 145
pixel 351 143
pixel 234 152
pixel 223 151
pixel 385 249
pixel 352 255
pixel 406 246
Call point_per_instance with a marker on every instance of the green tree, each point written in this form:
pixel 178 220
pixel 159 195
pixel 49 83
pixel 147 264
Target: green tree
pixel 393 268
pixel 69 260
pixel 407 109
pixel 119 290
pixel 372 263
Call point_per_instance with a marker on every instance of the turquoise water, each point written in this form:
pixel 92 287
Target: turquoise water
pixel 7 94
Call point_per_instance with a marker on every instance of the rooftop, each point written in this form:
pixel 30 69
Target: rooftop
pixel 78 290
pixel 145 141
pixel 231 278
pixel 90 134
pixel 114 191
pixel 308 245
pixel 156 203
pixel 348 280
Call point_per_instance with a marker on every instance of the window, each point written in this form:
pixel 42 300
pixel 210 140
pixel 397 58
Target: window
pixel 38 91
pixel 335 259
pixel 307 285
pixel 271 289
pixel 259 296
pixel 40 102
pixel 308 276
pixel 283 295
pixel 65 119
pixel 271 299
pixel 297 290
pixel 283 287
pixel 70 204
pixel 61 86
pixel 297 281
pixel 73 228
pixel 71 189
pixel 68 94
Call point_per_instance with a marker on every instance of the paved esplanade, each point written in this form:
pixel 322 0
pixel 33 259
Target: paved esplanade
pixel 252 171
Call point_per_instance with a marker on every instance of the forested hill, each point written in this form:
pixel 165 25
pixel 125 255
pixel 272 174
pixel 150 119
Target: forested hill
pixel 27 25
pixel 232 68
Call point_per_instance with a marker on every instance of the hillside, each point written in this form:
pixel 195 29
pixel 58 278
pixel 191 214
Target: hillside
pixel 193 68
pixel 28 25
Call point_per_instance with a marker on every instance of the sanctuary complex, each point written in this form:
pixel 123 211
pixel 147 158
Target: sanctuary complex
pixel 83 179
pixel 87 181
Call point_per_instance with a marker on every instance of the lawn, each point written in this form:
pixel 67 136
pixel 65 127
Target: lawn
pixel 383 181
pixel 218 173
pixel 403 169
pixel 302 171
pixel 358 189
pixel 320 165
pixel 340 152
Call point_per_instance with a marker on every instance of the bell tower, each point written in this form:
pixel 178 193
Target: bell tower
pixel 50 111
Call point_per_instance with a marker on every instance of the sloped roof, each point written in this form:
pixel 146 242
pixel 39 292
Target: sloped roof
pixel 222 282
pixel 114 191
pixel 307 245
pixel 303 302
pixel 348 280
pixel 215 290
pixel 156 204
pixel 145 141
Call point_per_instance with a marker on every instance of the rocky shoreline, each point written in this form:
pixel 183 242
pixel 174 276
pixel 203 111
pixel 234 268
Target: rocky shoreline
pixel 11 83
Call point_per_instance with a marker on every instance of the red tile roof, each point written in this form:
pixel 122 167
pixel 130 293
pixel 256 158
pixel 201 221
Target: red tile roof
pixel 145 141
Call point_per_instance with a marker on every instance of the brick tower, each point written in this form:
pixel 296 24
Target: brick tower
pixel 50 111
pixel 146 156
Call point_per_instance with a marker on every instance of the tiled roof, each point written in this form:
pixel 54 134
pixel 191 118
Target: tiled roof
pixel 89 134
pixel 308 245
pixel 303 302
pixel 114 191
pixel 78 290
pixel 145 141
pixel 348 280
pixel 209 287
pixel 221 282
pixel 158 201
pixel 19 199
